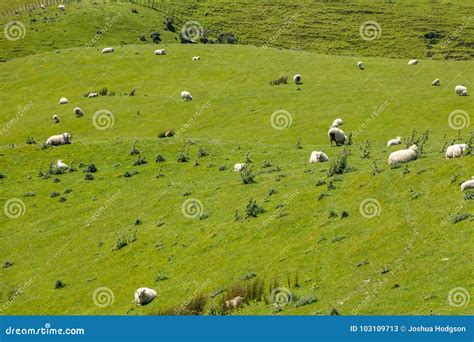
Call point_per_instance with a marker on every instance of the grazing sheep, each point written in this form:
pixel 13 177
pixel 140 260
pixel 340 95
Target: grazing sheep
pixel 186 95
pixel 196 58
pixel 144 296
pixel 393 142
pixel 160 52
pixel 239 167
pixel 403 156
pixel 456 151
pixel 360 65
pixel 42 6
pixel 460 90
pixel 436 82
pixel 318 157
pixel 91 95
pixel 336 123
pixel 63 100
pixel 413 62
pixel 108 50
pixel 337 135
pixel 469 184
pixel 234 303
pixel 60 165
pixel 61 8
pixel 297 79
pixel 60 139
pixel 78 111
pixel 56 118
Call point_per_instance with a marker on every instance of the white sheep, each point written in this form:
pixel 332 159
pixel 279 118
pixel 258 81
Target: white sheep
pixel 196 58
pixel 297 79
pixel 336 123
pixel 144 296
pixel 460 90
pixel 160 52
pixel 91 95
pixel 61 165
pixel 436 82
pixel 78 111
pixel 456 151
pixel 60 139
pixel 469 184
pixel 234 303
pixel 61 8
pixel 360 65
pixel 337 135
pixel 318 157
pixel 239 167
pixel 413 62
pixel 56 118
pixel 108 50
pixel 403 156
pixel 63 100
pixel 186 95
pixel 393 142
pixel 42 6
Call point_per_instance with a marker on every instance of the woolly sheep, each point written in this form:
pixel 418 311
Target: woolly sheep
pixel 456 151
pixel 436 82
pixel 393 142
pixel 92 95
pixel 234 303
pixel 60 165
pixel 318 157
pixel 403 156
pixel 144 296
pixel 460 90
pixel 239 167
pixel 108 50
pixel 42 6
pixel 297 79
pixel 78 111
pixel 63 100
pixel 60 139
pixel 360 65
pixel 61 7
pixel 337 135
pixel 336 123
pixel 469 184
pixel 196 58
pixel 413 62
pixel 160 52
pixel 186 95
pixel 56 118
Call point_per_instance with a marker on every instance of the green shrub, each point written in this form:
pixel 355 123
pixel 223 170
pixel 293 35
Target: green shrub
pixel 252 209
pixel 159 158
pixel 247 176
pixel 124 239
pixel 140 161
pixel 340 165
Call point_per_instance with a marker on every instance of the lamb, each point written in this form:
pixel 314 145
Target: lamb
pixel 403 156
pixel 160 52
pixel 336 123
pixel 297 79
pixel 144 296
pixel 318 157
pixel 60 139
pixel 108 50
pixel 61 8
pixel 460 90
pixel 63 100
pixel 234 303
pixel 436 82
pixel 78 111
pixel 393 142
pixel 186 95
pixel 196 58
pixel 456 151
pixel 60 165
pixel 469 184
pixel 413 62
pixel 337 135
pixel 56 118
pixel 91 95
pixel 360 65
pixel 239 167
